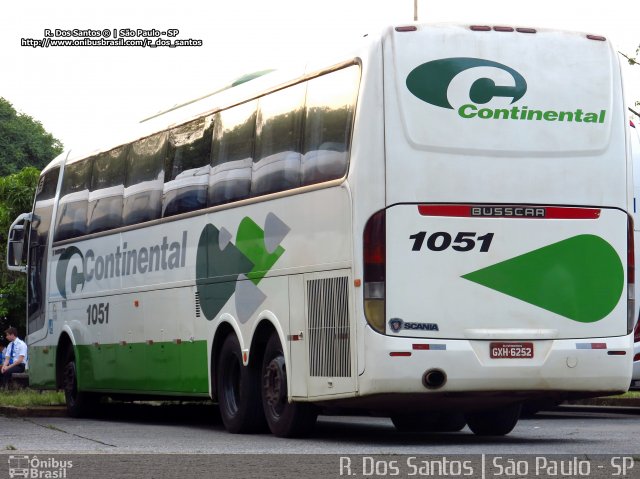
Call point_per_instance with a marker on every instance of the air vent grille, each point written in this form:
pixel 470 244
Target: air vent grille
pixel 329 334
pixel 197 303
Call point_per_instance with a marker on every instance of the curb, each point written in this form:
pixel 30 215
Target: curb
pixel 33 411
pixel 606 401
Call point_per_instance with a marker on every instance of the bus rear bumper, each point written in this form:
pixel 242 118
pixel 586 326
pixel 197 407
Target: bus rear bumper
pixel 582 366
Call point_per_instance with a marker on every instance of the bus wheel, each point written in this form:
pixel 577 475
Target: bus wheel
pixel 78 403
pixel 285 419
pixel 444 422
pixel 494 422
pixel 534 406
pixel 238 390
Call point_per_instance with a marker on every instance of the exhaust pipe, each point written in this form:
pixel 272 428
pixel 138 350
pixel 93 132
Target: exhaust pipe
pixel 434 379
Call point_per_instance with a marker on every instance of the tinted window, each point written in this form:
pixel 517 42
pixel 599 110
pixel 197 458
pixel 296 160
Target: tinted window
pixel 74 194
pixel 232 154
pixel 187 167
pixel 38 238
pixel 276 165
pixel 144 179
pixel 329 114
pixel 47 186
pixel 107 187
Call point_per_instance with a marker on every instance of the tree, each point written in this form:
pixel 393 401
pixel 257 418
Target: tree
pixel 16 196
pixel 633 61
pixel 23 141
pixel 25 148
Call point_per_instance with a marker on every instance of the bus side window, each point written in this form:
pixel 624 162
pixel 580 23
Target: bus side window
pixel 329 115
pixel 106 190
pixel 276 165
pixel 232 154
pixel 144 179
pixel 187 167
pixel 71 219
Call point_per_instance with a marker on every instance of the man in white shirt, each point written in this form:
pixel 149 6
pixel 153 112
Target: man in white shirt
pixel 15 356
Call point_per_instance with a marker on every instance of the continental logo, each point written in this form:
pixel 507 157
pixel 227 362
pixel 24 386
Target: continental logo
pixel 223 267
pixel 76 268
pixel 430 83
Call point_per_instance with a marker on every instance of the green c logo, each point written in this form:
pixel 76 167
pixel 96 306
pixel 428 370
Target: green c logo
pixel 77 277
pixel 430 81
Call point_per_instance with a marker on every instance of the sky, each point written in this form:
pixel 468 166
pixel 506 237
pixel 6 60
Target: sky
pixel 84 94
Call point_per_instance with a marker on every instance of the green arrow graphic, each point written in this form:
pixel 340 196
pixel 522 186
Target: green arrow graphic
pixel 580 278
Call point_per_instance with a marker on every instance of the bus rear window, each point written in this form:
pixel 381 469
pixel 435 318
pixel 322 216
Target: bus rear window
pixel 330 109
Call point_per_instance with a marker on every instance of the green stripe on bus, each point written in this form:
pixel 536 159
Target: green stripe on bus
pixel 155 368
pixel 580 278
pixel 42 366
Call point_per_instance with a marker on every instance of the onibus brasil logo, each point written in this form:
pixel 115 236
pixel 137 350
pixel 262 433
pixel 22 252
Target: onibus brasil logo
pixel 223 267
pixel 430 83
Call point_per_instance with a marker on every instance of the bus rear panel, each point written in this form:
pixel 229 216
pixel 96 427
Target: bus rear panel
pixel 508 268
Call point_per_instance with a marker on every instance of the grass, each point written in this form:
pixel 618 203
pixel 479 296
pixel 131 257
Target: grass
pixel 31 397
pixel 629 395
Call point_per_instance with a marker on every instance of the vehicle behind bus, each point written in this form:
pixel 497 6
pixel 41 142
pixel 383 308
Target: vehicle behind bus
pixel 634 140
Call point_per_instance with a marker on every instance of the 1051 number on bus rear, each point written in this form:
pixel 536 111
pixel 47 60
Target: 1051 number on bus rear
pixel 441 240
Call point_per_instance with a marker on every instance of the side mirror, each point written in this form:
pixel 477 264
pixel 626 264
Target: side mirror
pixel 16 244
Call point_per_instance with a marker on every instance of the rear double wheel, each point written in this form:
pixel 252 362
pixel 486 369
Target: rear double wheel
pixel 494 422
pixel 285 419
pixel 429 422
pixel 238 390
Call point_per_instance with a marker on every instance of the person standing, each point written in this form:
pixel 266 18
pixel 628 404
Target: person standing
pixel 15 356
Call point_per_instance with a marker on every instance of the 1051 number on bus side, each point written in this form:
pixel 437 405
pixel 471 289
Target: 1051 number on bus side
pixel 98 314
pixel 441 240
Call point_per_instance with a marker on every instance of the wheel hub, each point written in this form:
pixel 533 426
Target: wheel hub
pixel 274 385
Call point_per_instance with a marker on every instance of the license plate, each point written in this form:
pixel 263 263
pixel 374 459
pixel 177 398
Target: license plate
pixel 510 350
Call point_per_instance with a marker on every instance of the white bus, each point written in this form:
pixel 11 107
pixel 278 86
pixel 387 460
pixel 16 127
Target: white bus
pixel 435 227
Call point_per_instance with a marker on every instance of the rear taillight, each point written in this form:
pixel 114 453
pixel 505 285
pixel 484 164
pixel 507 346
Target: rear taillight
pixel 636 333
pixel 374 249
pixel 631 278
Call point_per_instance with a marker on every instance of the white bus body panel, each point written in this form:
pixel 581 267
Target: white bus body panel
pixel 459 134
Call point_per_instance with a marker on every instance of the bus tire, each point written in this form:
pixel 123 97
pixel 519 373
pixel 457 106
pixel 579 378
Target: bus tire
pixel 285 419
pixel 445 422
pixel 238 390
pixel 534 406
pixel 494 422
pixel 79 404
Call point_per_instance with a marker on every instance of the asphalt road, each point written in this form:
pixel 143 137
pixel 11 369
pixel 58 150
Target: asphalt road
pixel 197 429
pixel 134 432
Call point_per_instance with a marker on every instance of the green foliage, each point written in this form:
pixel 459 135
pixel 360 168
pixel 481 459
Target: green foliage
pixel 25 148
pixel 23 141
pixel 30 398
pixel 633 61
pixel 16 196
